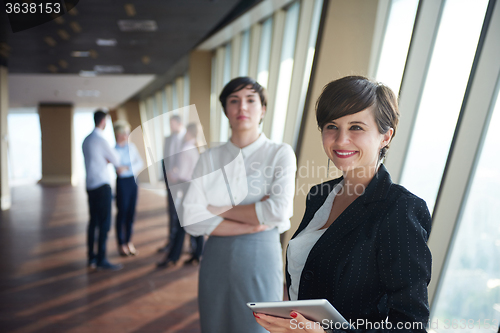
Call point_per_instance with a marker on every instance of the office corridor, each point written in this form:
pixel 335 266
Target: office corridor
pixel 45 285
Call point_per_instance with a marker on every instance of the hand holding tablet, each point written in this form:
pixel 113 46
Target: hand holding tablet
pixel 317 310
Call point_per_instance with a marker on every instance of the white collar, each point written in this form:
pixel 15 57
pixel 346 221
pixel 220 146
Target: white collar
pixel 251 148
pixel 99 131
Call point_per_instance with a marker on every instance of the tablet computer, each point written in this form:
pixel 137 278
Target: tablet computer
pixel 319 310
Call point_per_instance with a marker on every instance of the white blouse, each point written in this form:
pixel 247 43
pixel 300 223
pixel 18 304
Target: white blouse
pixel 229 176
pixel 299 247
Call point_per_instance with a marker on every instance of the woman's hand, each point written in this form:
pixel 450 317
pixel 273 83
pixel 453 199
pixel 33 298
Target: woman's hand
pixel 297 324
pixel 218 210
pixel 259 228
pixel 121 169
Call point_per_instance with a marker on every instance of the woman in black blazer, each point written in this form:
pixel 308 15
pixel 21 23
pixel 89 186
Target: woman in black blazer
pixel 362 241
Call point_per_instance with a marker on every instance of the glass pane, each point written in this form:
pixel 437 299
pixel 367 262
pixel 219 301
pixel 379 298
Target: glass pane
pixel 245 53
pixel 166 120
pixel 175 99
pixel 25 147
pixel 471 284
pixel 396 42
pixel 186 89
pixel 213 99
pixel 265 52
pixel 226 77
pixel 442 97
pixel 285 72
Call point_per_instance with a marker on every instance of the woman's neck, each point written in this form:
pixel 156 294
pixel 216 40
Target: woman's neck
pixel 243 139
pixel 356 181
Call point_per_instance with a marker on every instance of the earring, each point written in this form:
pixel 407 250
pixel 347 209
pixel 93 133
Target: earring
pixel 328 168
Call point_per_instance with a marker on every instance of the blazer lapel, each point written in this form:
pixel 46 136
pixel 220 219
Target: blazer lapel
pixel 356 213
pixel 316 200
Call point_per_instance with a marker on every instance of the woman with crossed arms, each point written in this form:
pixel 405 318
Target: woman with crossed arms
pixel 362 241
pixel 241 196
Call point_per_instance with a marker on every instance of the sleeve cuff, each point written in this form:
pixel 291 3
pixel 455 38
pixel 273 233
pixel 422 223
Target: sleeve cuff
pixel 259 212
pixel 211 227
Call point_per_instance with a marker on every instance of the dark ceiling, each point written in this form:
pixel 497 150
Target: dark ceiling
pixel 181 25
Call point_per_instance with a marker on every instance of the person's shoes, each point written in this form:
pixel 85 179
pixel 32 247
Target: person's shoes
pixel 92 264
pixel 164 249
pixel 106 265
pixel 192 261
pixel 166 263
pixel 131 249
pixel 123 250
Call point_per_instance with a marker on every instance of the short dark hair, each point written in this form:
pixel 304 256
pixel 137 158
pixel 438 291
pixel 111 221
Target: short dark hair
pixel 99 115
pixel 240 83
pixel 352 94
pixel 176 118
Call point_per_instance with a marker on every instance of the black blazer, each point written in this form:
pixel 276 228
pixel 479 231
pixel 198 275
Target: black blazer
pixel 373 261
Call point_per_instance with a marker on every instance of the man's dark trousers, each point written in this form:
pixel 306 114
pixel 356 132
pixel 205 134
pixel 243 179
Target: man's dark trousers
pixel 100 220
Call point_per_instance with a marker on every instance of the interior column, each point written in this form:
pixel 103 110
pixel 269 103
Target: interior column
pixel 56 124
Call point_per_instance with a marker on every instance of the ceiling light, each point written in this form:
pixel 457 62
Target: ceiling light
pixel 75 26
pixel 137 25
pixel 129 9
pixel 93 54
pixel 80 54
pixel 52 68
pixel 73 11
pixel 63 63
pixel 104 69
pixel 146 60
pixel 59 20
pixel 87 73
pixel 50 41
pixel 106 42
pixel 63 34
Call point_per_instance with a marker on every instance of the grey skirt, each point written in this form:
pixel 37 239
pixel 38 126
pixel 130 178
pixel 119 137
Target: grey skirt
pixel 236 270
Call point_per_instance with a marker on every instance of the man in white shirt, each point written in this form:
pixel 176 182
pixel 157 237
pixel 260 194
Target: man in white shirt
pixel 171 147
pixel 179 179
pixel 98 153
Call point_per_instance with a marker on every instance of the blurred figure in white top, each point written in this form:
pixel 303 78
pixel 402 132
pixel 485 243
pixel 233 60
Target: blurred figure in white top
pixel 126 188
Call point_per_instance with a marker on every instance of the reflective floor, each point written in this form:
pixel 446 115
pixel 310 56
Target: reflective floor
pixel 45 285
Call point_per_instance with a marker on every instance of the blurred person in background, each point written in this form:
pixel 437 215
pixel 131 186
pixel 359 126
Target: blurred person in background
pixel 171 148
pixel 97 154
pixel 181 175
pixel 126 188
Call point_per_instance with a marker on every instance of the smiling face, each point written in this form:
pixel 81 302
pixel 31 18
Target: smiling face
pixel 244 110
pixel 353 142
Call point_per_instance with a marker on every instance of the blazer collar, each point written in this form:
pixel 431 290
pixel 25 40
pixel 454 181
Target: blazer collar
pixel 356 213
pixel 378 188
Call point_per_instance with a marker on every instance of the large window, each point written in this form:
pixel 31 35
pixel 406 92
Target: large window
pixel 396 42
pixel 285 72
pixel 245 53
pixel 265 52
pixel 442 97
pixel 25 146
pixel 471 285
pixel 226 77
